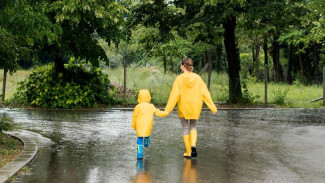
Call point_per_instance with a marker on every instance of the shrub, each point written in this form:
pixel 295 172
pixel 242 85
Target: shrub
pixel 5 124
pixel 248 97
pixel 77 88
pixel 279 96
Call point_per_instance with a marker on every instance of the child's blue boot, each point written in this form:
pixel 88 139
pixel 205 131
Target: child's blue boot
pixel 146 141
pixel 140 148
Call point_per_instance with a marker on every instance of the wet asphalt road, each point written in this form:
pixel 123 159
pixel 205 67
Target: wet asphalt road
pixel 268 145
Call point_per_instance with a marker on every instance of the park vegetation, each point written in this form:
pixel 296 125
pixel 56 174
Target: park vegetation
pixel 236 41
pixel 9 147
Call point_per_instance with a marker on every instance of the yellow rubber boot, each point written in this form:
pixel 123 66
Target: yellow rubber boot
pixel 193 135
pixel 187 145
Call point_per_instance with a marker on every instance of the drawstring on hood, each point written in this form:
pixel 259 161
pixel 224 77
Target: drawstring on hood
pixel 144 96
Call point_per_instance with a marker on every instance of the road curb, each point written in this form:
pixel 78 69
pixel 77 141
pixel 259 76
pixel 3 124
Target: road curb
pixel 29 152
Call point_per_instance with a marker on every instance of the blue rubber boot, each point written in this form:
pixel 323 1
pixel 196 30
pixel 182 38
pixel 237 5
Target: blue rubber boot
pixel 140 148
pixel 146 141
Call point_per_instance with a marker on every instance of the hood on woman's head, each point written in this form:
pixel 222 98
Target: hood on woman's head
pixel 144 96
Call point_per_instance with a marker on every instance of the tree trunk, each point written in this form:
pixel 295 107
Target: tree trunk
pixel 206 56
pixel 290 64
pixel 171 65
pixel 209 76
pixel 276 59
pixel 59 65
pixel 235 94
pixel 202 61
pixel 256 60
pixel 316 61
pixel 5 71
pixel 207 59
pixel 301 67
pixel 165 65
pixel 219 53
pixel 226 64
pixel 124 86
pixel 251 68
pixel 307 62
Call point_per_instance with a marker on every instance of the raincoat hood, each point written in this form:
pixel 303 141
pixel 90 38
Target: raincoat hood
pixel 144 96
pixel 189 79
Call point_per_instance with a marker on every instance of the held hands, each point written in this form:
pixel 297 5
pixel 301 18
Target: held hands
pixel 165 113
pixel 161 113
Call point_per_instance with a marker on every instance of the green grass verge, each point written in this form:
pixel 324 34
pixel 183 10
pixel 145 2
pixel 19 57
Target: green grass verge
pixel 9 148
pixel 159 85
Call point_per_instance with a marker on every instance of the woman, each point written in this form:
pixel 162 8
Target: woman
pixel 189 91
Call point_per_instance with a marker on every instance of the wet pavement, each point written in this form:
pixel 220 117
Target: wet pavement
pixel 24 158
pixel 268 145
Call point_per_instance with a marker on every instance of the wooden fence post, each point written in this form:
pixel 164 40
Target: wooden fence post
pixel 209 75
pixel 324 86
pixel 124 85
pixel 266 74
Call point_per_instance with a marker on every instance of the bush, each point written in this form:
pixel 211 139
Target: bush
pixel 248 97
pixel 279 96
pixel 77 88
pixel 5 124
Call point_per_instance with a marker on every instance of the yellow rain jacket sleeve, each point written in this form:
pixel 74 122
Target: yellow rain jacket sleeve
pixel 142 119
pixel 189 91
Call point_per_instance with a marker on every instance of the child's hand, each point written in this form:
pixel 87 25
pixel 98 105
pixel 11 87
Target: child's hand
pixel 165 113
pixel 161 113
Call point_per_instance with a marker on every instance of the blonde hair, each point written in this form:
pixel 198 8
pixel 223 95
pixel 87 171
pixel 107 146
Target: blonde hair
pixel 188 63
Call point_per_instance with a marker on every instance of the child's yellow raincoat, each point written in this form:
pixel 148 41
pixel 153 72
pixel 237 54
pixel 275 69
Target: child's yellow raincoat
pixel 189 91
pixel 143 114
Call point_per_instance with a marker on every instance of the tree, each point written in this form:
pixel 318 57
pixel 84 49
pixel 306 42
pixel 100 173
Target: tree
pixel 188 13
pixel 80 23
pixel 21 25
pixel 269 20
pixel 162 16
pixel 224 13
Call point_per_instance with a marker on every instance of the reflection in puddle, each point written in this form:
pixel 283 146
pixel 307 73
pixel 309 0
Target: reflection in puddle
pixel 93 175
pixel 142 173
pixel 189 171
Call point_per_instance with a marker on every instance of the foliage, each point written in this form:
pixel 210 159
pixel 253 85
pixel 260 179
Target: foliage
pixel 79 88
pixel 7 51
pixel 279 96
pixel 21 26
pixel 248 97
pixel 83 22
pixel 7 144
pixel 159 84
pixel 5 124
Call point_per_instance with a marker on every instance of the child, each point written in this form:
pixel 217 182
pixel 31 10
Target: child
pixel 143 119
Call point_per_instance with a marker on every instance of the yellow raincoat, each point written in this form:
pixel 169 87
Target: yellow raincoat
pixel 143 114
pixel 189 91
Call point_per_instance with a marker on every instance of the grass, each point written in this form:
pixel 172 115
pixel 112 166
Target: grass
pixel 160 84
pixel 297 95
pixel 12 80
pixel 10 148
